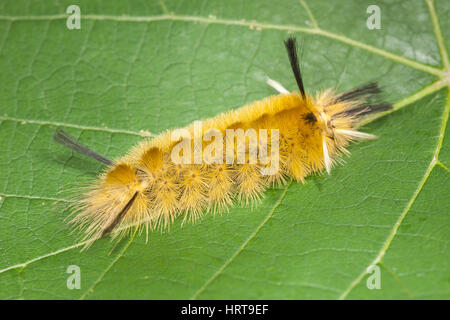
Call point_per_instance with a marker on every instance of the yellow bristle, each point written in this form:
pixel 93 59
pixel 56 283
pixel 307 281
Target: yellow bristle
pixel 220 188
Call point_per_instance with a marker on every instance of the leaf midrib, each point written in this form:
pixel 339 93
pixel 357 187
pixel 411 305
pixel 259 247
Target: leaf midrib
pixel 254 24
pixel 410 203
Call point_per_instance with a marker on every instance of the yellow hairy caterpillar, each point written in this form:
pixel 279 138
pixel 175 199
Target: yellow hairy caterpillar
pixel 218 162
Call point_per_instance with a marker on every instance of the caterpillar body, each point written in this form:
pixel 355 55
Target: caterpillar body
pixel 146 188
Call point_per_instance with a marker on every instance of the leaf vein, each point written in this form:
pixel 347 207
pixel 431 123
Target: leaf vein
pixel 261 25
pixel 438 33
pixel 242 247
pixel 110 266
pixel 70 125
pixel 410 203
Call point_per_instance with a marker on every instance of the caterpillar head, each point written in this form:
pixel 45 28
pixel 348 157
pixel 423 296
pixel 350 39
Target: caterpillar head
pixel 339 116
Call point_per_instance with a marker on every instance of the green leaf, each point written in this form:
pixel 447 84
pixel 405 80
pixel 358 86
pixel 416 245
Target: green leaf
pixel 155 65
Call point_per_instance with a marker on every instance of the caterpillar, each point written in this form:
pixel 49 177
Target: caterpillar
pixel 230 159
